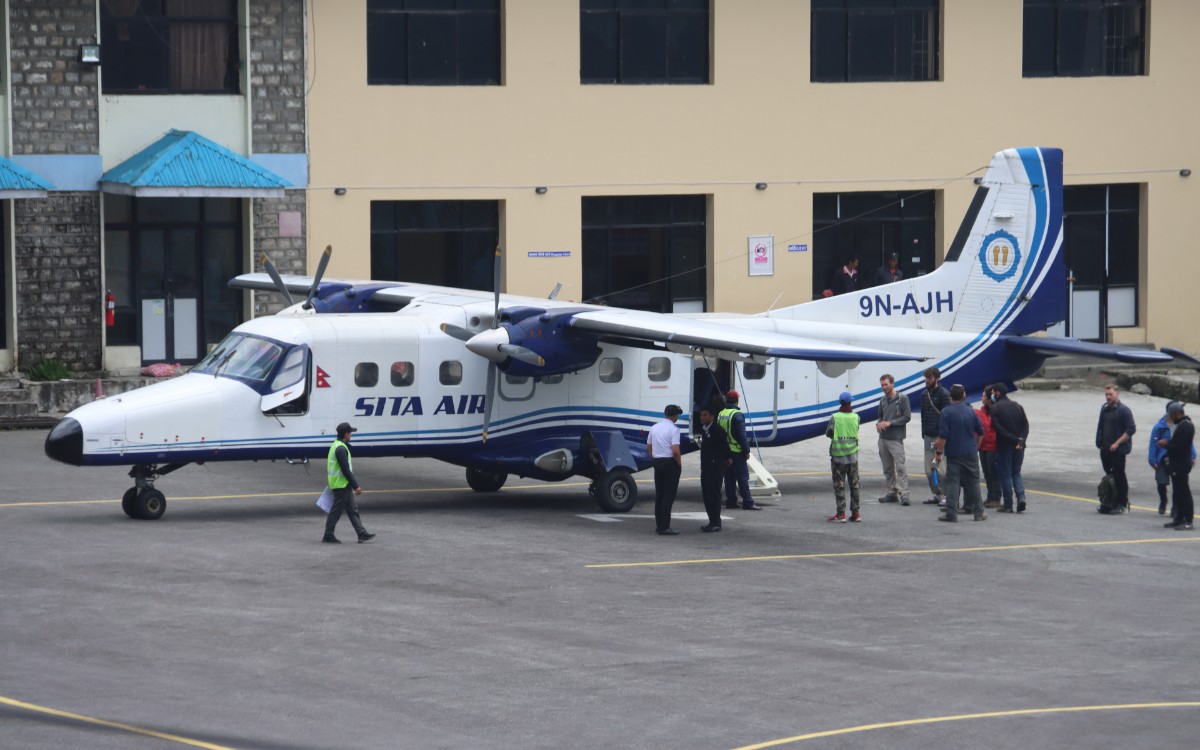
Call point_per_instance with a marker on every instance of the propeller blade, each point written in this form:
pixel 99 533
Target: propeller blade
pixel 488 398
pixel 270 269
pixel 316 282
pixel 496 288
pixel 528 356
pixel 458 332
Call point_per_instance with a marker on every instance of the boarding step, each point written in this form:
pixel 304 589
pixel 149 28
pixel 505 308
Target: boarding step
pixel 763 486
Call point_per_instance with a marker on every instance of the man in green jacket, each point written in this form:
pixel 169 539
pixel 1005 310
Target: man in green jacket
pixel 340 471
pixel 843 458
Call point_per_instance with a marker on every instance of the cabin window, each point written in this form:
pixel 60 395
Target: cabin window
pixel 649 41
pixel 433 42
pixel 659 369
pixel 611 370
pixel 403 374
pixel 516 379
pixel 552 379
pixel 876 40
pixel 754 371
pixel 366 374
pixel 450 373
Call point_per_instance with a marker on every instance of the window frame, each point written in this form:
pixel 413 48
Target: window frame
pixel 1102 50
pixel 634 29
pixel 393 30
pixel 838 29
pixel 142 59
pixel 458 238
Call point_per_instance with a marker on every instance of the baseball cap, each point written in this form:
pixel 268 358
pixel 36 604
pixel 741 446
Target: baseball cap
pixel 846 397
pixel 345 427
pixel 1174 406
pixel 672 410
pixel 732 396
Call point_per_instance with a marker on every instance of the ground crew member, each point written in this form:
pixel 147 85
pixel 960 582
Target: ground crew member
pixel 340 471
pixel 714 459
pixel 663 446
pixel 843 458
pixel 737 476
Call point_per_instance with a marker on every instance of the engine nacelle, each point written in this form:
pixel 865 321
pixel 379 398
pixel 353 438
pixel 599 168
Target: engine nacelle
pixel 563 348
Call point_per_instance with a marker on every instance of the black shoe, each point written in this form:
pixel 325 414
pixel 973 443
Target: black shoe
pixel 948 518
pixel 667 532
pixel 1020 506
pixel 751 507
pixel 1183 527
pixel 931 501
pixel 1117 511
pixel 1162 507
pixel 1005 510
pixel 331 539
pixel 365 538
pixel 889 499
pixel 711 528
pixel 1171 524
pixel 731 507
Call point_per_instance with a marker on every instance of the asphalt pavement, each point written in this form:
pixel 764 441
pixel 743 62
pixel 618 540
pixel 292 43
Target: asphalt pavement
pixel 526 619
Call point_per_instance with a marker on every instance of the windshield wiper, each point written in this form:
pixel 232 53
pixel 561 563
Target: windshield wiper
pixel 224 361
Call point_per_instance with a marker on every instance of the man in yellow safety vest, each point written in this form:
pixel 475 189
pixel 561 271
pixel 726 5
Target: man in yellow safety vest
pixel 843 458
pixel 340 471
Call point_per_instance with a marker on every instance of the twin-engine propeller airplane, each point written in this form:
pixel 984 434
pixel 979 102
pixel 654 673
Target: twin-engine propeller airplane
pixel 546 389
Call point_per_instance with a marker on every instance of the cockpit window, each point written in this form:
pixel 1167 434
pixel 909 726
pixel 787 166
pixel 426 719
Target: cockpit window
pixel 242 357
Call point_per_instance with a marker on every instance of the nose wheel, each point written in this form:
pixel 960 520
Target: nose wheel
pixel 143 501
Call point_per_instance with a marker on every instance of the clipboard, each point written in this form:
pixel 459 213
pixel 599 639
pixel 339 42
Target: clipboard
pixel 325 501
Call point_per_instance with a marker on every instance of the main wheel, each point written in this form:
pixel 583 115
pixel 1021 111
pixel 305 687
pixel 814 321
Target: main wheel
pixel 485 481
pixel 129 502
pixel 150 505
pixel 616 492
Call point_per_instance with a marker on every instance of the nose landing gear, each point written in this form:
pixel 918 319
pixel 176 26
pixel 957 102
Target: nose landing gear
pixel 142 501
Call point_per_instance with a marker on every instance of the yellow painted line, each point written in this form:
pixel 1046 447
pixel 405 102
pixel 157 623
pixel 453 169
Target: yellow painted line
pixel 886 553
pixel 965 717
pixel 1090 500
pixel 111 724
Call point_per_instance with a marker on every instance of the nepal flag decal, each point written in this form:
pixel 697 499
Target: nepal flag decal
pixel 322 378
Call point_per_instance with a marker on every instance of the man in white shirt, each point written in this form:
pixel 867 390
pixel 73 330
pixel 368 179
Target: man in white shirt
pixel 663 446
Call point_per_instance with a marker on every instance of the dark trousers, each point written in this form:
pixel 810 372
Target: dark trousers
pixel 1114 463
pixel 737 481
pixel 987 460
pixel 1181 496
pixel 962 472
pixel 666 483
pixel 711 477
pixel 343 500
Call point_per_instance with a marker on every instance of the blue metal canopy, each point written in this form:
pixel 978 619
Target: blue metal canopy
pixel 18 182
pixel 185 164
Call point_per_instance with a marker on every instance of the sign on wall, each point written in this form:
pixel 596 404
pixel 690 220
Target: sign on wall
pixel 762 254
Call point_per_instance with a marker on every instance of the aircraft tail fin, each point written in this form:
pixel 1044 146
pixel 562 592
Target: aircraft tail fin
pixel 1003 272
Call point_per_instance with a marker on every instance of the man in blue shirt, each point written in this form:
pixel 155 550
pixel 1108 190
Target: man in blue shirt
pixel 959 433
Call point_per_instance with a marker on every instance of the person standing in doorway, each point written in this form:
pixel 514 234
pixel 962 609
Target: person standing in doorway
pixel 663 446
pixel 890 273
pixel 339 469
pixel 895 412
pixel 1114 430
pixel 846 279
pixel 714 460
pixel 843 458
pixel 959 433
pixel 737 476
pixel 934 399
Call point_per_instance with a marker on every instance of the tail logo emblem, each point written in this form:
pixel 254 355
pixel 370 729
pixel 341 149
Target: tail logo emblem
pixel 1000 255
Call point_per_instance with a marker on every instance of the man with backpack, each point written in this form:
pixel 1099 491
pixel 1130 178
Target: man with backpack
pixel 1114 430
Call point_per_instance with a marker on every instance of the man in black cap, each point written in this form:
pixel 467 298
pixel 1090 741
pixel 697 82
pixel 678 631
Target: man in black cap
pixel 1179 464
pixel 340 471
pixel 663 446
pixel 889 273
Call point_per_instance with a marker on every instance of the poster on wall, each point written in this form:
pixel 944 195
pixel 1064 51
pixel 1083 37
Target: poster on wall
pixel 762 255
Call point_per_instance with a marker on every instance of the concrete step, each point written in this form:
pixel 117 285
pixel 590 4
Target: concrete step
pixel 10 384
pixel 17 410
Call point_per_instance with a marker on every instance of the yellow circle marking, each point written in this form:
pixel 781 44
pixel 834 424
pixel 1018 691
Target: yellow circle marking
pixel 110 724
pixel 885 553
pixel 964 717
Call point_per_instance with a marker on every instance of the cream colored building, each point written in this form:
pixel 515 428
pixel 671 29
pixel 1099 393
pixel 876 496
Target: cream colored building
pixel 760 118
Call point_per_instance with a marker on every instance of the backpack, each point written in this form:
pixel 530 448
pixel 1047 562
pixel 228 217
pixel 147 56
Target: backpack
pixel 1107 491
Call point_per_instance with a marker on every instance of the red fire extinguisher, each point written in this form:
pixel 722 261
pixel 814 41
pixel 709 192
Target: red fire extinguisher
pixel 110 309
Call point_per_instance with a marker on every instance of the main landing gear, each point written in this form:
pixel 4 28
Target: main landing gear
pixel 486 481
pixel 142 500
pixel 615 491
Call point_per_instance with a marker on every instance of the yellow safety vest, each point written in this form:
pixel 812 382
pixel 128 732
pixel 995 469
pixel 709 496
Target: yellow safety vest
pixel 845 434
pixel 338 480
pixel 725 419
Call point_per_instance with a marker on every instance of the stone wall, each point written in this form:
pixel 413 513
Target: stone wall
pixel 287 253
pixel 59 297
pixel 54 97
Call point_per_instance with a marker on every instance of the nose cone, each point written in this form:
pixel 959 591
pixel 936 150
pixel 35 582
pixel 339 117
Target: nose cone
pixel 65 442
pixel 487 344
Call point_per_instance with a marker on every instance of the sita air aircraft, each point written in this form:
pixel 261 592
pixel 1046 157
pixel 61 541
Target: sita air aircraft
pixel 547 389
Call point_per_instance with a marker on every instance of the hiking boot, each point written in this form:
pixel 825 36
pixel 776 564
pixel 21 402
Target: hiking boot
pixel 889 499
pixel 948 518
pixel 904 502
pixel 854 518
pixel 837 518
pixel 992 504
pixel 1020 506
pixel 981 517
pixel 1006 510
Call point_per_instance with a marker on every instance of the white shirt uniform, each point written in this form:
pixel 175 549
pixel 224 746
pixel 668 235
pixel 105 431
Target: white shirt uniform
pixel 662 436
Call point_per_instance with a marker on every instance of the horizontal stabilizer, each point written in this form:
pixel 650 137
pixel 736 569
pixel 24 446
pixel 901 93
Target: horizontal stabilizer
pixel 1181 357
pixel 702 334
pixel 1052 345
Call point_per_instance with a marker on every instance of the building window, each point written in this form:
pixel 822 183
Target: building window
pixel 168 262
pixel 646 252
pixel 870 226
pixel 433 42
pixel 403 374
pixel 874 40
pixel 1084 38
pixel 366 374
pixel 449 243
pixel 643 41
pixel 1101 230
pixel 169 46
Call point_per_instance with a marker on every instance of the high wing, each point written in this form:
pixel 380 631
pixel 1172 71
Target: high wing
pixel 1052 345
pixel 719 339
